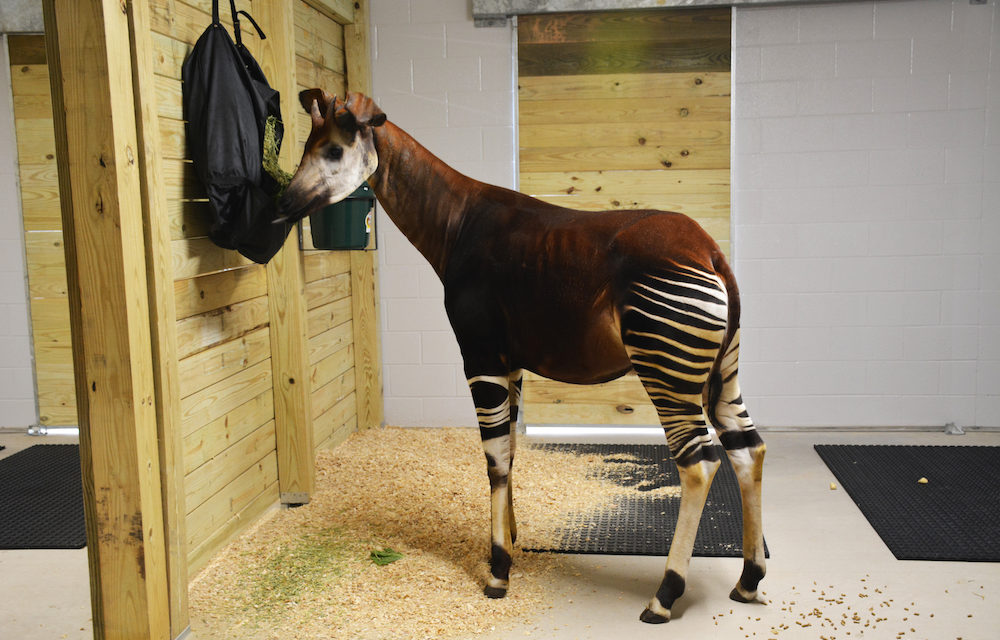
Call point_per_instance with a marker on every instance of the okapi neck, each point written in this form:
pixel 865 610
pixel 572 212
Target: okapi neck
pixel 425 198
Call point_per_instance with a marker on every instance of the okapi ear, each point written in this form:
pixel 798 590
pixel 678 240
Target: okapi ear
pixel 365 111
pixel 322 99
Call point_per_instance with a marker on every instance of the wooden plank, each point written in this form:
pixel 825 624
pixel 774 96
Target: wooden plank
pixel 30 80
pixel 217 511
pixel 340 11
pixel 330 341
pixel 329 368
pixel 255 508
pixel 199 256
pixel 326 264
pixel 328 315
pixel 321 292
pixel 626 56
pixel 621 401
pixel 340 434
pixel 180 181
pixel 169 56
pixel 50 321
pixel 211 477
pixel 640 183
pixel 210 403
pixel 40 196
pixel 100 184
pixel 173 145
pixel 706 156
pixel 26 49
pixel 285 282
pixel 613 26
pixel 188 218
pixel 326 396
pixel 46 262
pixel 621 134
pixel 36 142
pixel 208 292
pixel 208 367
pixel 169 98
pixel 311 25
pixel 205 443
pixel 674 110
pixel 332 420
pixel 310 74
pixel 32 105
pixel 626 85
pixel 200 332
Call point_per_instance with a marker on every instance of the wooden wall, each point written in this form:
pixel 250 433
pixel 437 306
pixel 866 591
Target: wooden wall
pixel 320 62
pixel 623 110
pixel 43 238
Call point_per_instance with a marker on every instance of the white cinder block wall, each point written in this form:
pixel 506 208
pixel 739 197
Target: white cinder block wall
pixel 17 390
pixel 867 212
pixel 866 205
pixel 450 86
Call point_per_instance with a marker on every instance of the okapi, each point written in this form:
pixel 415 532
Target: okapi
pixel 574 296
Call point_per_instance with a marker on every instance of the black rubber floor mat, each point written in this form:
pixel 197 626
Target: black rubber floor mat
pixel 926 503
pixel 644 525
pixel 41 499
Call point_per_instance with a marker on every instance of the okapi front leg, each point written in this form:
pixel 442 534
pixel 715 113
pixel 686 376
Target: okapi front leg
pixel 491 396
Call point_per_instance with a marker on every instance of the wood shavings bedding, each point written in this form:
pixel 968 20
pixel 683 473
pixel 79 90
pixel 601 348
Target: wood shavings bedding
pixel 306 572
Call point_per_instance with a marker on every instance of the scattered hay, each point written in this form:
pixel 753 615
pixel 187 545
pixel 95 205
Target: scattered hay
pixel 308 573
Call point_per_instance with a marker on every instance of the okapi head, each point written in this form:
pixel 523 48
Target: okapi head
pixel 339 154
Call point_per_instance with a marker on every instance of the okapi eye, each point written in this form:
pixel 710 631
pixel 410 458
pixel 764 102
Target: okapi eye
pixel 334 152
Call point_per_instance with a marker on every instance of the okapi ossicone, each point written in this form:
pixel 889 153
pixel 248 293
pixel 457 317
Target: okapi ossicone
pixel 574 296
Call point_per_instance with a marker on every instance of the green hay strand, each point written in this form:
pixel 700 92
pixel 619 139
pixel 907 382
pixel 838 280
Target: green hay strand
pixel 270 161
pixel 385 556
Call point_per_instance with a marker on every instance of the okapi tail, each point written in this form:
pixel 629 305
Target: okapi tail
pixel 715 381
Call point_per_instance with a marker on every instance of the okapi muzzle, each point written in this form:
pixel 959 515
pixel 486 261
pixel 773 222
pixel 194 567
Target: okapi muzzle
pixel 339 153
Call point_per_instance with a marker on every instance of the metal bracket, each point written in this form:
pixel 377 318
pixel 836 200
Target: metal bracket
pixel 294 498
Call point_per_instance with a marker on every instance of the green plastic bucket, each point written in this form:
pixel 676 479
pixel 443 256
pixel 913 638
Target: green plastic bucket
pixel 346 224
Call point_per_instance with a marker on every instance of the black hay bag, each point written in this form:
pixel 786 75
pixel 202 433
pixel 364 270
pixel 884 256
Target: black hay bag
pixel 227 103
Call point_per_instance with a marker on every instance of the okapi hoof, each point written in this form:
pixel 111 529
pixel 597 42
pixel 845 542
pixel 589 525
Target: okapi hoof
pixel 494 592
pixel 649 617
pixel 739 597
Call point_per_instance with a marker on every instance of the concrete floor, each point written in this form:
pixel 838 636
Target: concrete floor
pixel 829 575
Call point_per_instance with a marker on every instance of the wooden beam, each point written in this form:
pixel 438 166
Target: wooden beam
pixel 97 151
pixel 340 11
pixel 162 316
pixel 285 280
pixel 364 277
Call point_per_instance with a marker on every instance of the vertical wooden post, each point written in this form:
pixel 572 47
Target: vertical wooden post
pixel 163 317
pixel 97 154
pixel 285 278
pixel 364 280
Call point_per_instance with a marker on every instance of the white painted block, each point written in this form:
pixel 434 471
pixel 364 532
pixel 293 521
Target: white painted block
pixel 765 25
pixel 745 62
pixel 834 96
pixel 867 274
pixel 831 239
pixel 903 378
pixel 905 166
pixel 439 11
pixel 808 275
pixel 798 61
pixel 904 93
pixel 828 22
pixel 947 129
pixel 456 145
pixel 940 343
pixel 403 412
pixel 18 413
pixel 878 59
pixel 410 41
pixel 436 76
pixel 988 410
pixel 393 75
pixel 830 309
pixel 418 381
pixel 450 412
pixel 439 347
pixel 863 344
pixel 960 308
pixel 899 309
pixel 968 90
pixel 465 40
pixel 950 52
pixel 941 273
pixel 479 108
pixel 919 18
pixel 916 238
pixel 958 378
pixel 496 74
pixel 384 12
pixel 415 315
pixel 397 281
pixel 401 347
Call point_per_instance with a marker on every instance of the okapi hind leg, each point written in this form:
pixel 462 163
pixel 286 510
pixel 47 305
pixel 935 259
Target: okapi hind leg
pixel 491 395
pixel 673 326
pixel 746 450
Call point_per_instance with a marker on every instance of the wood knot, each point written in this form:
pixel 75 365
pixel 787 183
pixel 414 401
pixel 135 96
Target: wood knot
pixel 698 81
pixel 624 409
pixel 667 163
pixel 642 141
pixel 685 153
pixel 684 112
